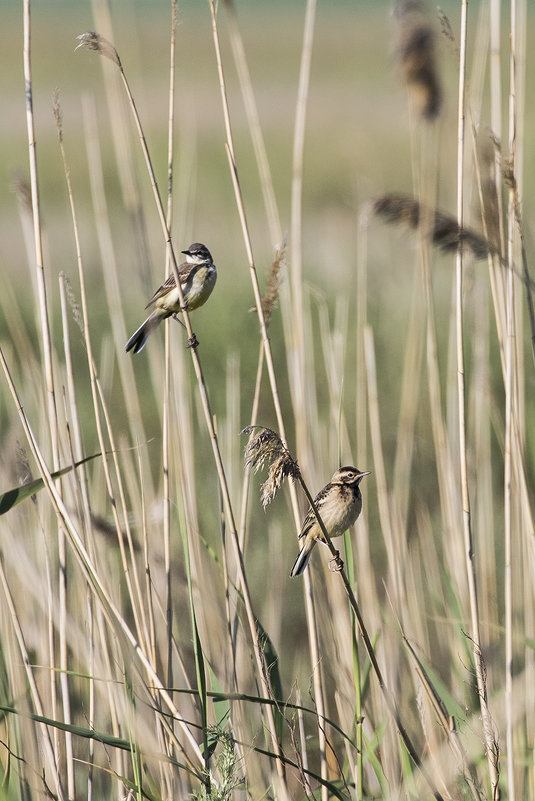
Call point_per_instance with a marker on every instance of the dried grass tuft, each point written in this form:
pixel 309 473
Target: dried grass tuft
pixel 91 40
pixel 271 295
pixel 73 303
pixel 265 446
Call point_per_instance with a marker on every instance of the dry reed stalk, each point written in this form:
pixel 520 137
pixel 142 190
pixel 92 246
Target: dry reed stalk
pixel 297 365
pixel 367 593
pixel 387 514
pixel 491 745
pixel 333 345
pixel 46 347
pixel 123 145
pixel 167 358
pixel 269 301
pixel 37 241
pixel 270 296
pixel 86 517
pixel 65 289
pixel 264 171
pixel 513 404
pixel 110 271
pixel 299 385
pixel 481 426
pixel 410 395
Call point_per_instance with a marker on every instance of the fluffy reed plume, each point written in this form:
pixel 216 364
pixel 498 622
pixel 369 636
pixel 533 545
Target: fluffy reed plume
pixel 98 44
pixel 266 446
pixel 271 295
pixel 416 54
pixel 73 303
pixel 442 229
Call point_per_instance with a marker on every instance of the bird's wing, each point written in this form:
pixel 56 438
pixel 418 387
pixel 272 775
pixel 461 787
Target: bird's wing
pixel 310 517
pixel 184 272
pixel 308 522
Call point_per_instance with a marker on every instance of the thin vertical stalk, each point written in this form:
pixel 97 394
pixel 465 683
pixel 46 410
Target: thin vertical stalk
pixel 78 446
pixel 266 183
pixel 110 272
pixel 510 408
pixel 165 410
pixel 46 346
pixel 298 346
pixel 489 737
pixel 296 228
pixel 39 261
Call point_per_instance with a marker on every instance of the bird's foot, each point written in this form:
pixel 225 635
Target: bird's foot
pixel 336 564
pixel 193 342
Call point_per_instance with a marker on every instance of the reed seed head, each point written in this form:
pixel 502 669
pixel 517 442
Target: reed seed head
pixel 416 53
pixel 91 40
pixel 271 295
pixel 73 303
pixel 265 446
pixel 440 228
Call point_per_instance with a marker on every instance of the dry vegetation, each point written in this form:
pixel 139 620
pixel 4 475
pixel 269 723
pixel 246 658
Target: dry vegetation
pixel 152 644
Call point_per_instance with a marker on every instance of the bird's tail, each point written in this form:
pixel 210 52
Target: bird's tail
pixel 302 559
pixel 138 340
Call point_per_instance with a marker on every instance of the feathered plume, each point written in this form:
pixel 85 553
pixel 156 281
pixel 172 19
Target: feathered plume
pixel 416 54
pixel 442 229
pixel 266 446
pixel 91 40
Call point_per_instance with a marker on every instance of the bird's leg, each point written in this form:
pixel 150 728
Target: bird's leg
pixel 193 342
pixel 175 317
pixel 336 564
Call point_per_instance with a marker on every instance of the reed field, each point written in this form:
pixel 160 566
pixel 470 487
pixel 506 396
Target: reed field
pixel 363 175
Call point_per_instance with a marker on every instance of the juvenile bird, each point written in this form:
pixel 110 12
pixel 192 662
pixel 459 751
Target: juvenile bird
pixel 338 504
pixel 197 277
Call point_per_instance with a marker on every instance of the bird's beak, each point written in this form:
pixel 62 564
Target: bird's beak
pixel 365 473
pixel 185 252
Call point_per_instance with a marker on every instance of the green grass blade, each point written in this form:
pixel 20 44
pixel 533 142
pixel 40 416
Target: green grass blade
pixel 15 496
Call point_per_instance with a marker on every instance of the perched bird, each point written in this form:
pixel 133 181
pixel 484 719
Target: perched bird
pixel 197 276
pixel 338 504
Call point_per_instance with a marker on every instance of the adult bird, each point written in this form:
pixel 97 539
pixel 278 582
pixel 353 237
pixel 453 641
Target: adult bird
pixel 197 276
pixel 338 504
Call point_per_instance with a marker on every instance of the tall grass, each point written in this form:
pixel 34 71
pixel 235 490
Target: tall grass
pixel 152 642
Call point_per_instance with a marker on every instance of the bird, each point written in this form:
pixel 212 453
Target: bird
pixel 197 276
pixel 338 504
